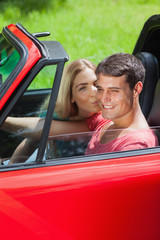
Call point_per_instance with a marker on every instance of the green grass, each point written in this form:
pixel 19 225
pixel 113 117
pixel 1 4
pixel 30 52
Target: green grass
pixel 91 29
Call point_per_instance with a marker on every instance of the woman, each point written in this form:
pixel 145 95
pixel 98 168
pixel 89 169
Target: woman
pixel 76 102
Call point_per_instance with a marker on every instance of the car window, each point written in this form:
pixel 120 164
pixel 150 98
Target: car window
pixel 44 79
pixel 9 58
pixel 72 145
pixel 78 144
pixel 67 145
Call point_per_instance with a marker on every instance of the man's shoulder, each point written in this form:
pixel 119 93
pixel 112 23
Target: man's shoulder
pixel 145 137
pixel 96 121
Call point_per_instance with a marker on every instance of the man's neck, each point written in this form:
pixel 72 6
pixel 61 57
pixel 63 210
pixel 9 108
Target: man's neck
pixel 133 120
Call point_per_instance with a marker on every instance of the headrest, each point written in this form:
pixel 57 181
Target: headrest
pixel 154 116
pixel 151 66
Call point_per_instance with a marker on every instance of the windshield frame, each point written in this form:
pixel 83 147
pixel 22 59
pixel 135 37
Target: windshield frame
pixel 23 45
pixel 29 56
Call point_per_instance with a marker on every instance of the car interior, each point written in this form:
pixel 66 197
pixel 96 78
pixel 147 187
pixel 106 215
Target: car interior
pixel 150 96
pixel 150 63
pixel 149 101
pixel 154 115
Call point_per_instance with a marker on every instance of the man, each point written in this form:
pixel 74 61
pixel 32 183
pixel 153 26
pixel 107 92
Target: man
pixel 119 83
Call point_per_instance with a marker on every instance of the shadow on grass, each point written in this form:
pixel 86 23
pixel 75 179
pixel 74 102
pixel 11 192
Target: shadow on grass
pixel 31 5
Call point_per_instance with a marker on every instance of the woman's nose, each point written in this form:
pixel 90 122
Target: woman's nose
pixel 93 91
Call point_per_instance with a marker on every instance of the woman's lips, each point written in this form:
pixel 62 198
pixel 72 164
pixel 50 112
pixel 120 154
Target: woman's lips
pixel 95 103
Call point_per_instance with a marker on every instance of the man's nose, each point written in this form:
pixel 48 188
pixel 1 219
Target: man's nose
pixel 105 97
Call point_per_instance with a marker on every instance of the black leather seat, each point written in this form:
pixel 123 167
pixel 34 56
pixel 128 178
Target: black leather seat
pixel 151 65
pixel 154 115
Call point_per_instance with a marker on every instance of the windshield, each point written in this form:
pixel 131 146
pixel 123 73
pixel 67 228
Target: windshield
pixel 9 58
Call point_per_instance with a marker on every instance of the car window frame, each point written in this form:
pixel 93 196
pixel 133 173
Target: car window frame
pixel 53 55
pixel 113 156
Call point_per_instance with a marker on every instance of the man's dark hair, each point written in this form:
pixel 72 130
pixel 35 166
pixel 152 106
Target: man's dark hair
pixel 120 64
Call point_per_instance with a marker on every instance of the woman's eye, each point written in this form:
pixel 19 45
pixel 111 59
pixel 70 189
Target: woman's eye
pixel 82 88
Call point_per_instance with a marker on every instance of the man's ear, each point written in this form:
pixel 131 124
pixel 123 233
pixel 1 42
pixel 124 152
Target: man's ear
pixel 138 88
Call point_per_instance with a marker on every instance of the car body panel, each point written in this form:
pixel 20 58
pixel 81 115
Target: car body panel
pixel 118 198
pixel 115 199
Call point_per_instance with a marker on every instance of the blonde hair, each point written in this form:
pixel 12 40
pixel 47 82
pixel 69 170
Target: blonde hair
pixel 64 106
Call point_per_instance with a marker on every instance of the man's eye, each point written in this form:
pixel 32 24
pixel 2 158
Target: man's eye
pixel 99 89
pixel 115 90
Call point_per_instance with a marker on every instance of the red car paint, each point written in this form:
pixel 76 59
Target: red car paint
pixel 33 56
pixel 108 199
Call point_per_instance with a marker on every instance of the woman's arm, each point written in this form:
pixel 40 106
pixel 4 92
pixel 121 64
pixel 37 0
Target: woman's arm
pixel 66 127
pixel 31 127
pixel 23 151
pixel 20 124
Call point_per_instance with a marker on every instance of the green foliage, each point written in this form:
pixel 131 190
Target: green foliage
pixel 30 5
pixel 91 29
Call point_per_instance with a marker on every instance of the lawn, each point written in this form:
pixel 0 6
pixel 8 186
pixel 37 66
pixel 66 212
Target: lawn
pixel 91 29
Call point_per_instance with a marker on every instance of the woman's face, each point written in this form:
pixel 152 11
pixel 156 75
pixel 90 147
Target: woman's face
pixel 84 93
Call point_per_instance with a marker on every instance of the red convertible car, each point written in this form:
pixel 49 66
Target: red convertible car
pixel 114 196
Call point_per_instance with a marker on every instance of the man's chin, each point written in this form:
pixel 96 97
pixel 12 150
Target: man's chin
pixel 107 116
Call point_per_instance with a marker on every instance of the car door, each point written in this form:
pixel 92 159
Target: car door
pixel 103 196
